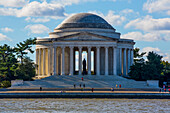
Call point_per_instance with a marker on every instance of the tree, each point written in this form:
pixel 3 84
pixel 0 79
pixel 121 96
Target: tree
pixel 138 66
pixel 137 70
pixel 166 69
pixel 5 84
pixel 24 47
pixel 147 70
pixel 8 62
pixel 25 71
pixel 137 56
pixel 154 64
pixel 10 68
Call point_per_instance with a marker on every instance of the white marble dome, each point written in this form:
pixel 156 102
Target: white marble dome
pixel 85 20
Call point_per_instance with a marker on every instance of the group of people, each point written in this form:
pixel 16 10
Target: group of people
pixel 80 85
pixel 119 86
pixel 92 89
pixel 164 89
pixel 112 89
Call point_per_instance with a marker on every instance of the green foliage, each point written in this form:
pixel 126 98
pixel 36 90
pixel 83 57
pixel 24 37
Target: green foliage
pixel 24 47
pixel 137 56
pixel 166 69
pixel 5 84
pixel 155 66
pixel 147 70
pixel 8 62
pixel 137 70
pixel 10 68
pixel 167 75
pixel 25 71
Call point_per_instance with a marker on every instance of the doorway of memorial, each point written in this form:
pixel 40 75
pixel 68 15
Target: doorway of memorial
pixel 84 63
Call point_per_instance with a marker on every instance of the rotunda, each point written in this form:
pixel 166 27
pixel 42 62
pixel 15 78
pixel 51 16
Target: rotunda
pixel 61 52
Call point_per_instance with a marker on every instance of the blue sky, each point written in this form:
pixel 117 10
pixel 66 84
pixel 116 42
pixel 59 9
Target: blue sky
pixel 145 21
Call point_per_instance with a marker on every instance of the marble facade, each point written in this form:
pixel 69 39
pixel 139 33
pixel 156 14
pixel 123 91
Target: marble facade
pixel 56 54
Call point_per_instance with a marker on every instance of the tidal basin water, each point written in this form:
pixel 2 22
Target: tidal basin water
pixel 84 105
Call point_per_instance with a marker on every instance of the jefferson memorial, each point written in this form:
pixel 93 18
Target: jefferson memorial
pixel 61 53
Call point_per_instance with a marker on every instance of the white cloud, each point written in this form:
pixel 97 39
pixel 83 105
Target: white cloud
pixel 157 5
pixel 126 11
pixel 148 49
pixel 53 9
pixel 110 17
pixel 129 13
pixel 70 2
pixel 8 11
pixel 138 36
pixel 149 24
pixel 37 28
pixel 4 37
pixel 6 29
pixel 155 29
pixel 35 9
pixel 41 9
pixel 65 2
pixel 114 19
pixel 166 56
pixel 13 3
pixel 37 20
pixel 168 12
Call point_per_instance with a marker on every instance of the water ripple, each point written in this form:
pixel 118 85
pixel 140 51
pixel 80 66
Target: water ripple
pixel 84 105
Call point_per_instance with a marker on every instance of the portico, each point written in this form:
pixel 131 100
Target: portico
pixel 63 62
pixel 56 55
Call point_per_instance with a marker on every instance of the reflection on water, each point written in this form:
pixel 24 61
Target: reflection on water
pixel 85 105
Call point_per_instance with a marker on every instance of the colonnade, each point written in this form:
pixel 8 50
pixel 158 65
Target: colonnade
pixel 125 61
pixel 61 60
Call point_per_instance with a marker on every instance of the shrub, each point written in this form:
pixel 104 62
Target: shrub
pixel 5 84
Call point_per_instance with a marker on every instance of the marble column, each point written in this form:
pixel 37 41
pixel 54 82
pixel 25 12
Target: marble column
pixel 98 60
pixel 115 61
pixel 63 60
pixel 89 60
pixel 120 61
pixel 54 60
pixel 129 60
pixel 39 65
pixel 106 60
pixel 131 57
pixel 124 62
pixel 49 61
pixel 44 65
pixel 71 60
pixel 37 52
pixel 80 60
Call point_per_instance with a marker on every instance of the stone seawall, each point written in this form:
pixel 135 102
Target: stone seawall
pixel 87 95
pixel 79 89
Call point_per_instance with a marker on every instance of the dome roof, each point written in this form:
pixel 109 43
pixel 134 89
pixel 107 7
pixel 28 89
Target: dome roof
pixel 85 20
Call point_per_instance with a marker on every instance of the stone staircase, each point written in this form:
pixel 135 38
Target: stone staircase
pixel 89 81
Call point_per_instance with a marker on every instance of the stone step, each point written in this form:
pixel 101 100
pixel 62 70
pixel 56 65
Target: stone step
pixel 89 81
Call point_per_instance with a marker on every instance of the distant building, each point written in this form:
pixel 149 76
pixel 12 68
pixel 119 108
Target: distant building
pixel 84 32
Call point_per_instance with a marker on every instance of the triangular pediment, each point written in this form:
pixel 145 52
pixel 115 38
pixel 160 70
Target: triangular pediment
pixel 84 36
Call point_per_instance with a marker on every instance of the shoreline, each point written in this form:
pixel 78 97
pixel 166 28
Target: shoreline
pixel 118 95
